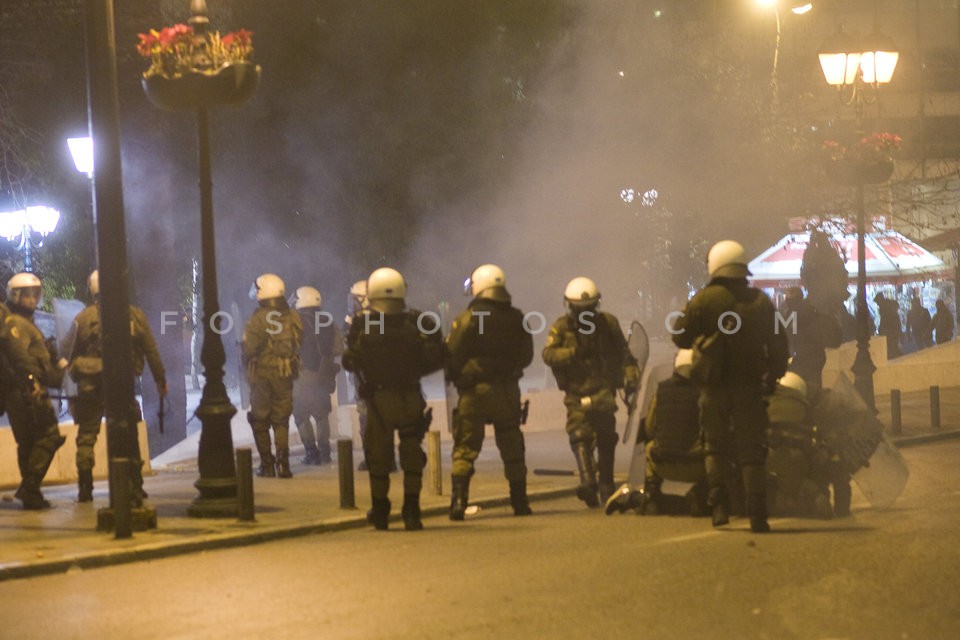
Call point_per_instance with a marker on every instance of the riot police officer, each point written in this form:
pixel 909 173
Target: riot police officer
pixel 389 348
pixel 86 369
pixel 32 416
pixel 747 357
pixel 271 352
pixel 588 354
pixel 322 342
pixel 487 350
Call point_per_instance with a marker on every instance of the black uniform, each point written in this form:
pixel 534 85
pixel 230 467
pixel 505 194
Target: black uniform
pixel 389 352
pixel 732 410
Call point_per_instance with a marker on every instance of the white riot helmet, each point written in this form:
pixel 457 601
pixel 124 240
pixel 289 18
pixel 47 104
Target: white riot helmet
pixel 267 286
pixel 791 380
pixel 484 277
pixel 581 292
pixel 93 283
pixel 683 361
pixel 21 281
pixel 386 284
pixel 727 259
pixel 306 297
pixel 357 300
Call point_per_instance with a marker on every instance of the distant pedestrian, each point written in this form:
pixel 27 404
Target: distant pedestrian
pixel 390 348
pixel 943 323
pixel 748 357
pixel 271 352
pixel 919 326
pixel 890 326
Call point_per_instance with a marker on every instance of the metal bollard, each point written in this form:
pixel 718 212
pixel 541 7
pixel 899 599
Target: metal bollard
pixel 345 470
pixel 434 462
pixel 896 424
pixel 120 497
pixel 934 407
pixel 245 509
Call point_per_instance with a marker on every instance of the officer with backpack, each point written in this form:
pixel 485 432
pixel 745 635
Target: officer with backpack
pixel 271 352
pixel 746 357
pixel 86 369
pixel 389 348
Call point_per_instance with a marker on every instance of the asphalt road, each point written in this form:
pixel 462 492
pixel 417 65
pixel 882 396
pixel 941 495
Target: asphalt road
pixel 566 572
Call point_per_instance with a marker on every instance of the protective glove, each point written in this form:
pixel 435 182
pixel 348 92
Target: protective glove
pixel 769 385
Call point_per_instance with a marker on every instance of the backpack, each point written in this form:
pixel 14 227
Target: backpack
pixel 710 351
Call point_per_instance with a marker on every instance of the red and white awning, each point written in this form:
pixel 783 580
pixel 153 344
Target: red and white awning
pixel 890 257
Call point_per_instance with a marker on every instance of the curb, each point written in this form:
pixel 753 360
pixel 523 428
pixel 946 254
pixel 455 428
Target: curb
pixel 912 441
pixel 230 539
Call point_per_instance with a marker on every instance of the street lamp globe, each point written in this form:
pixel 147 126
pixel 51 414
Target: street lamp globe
pixel 840 59
pixel 879 58
pixel 81 150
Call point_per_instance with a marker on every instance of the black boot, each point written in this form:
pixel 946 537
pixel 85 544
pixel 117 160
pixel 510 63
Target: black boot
pixel 411 512
pixel 620 500
pixel 85 485
pixel 518 498
pixel 757 509
pixel 587 491
pixel 283 463
pixel 652 499
pixel 311 455
pixel 755 485
pixel 719 507
pixel 606 446
pixel 29 494
pixel 459 492
pixel 379 514
pixel 696 499
pixel 841 498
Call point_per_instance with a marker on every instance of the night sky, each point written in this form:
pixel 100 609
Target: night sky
pixel 432 136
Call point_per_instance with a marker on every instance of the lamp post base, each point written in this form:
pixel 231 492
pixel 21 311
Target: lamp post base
pixel 141 519
pixel 218 476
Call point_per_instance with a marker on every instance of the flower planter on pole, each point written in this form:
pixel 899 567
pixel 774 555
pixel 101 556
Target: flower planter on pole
pixel 193 68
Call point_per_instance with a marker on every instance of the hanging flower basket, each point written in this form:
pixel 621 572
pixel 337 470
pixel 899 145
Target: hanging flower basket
pixel 853 172
pixel 869 160
pixel 232 83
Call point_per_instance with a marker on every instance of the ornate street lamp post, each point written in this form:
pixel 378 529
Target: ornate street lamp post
pixel 856 68
pixel 205 84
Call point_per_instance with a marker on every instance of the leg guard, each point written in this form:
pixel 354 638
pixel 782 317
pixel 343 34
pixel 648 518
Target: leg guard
pixel 518 498
pixel 411 512
pixel 587 491
pixel 84 485
pixel 283 462
pixel 459 493
pixel 261 437
pixel 606 448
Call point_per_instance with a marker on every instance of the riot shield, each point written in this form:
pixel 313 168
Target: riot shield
pixel 652 377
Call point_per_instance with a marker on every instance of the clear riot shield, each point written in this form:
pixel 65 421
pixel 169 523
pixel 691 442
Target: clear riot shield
pixel 64 311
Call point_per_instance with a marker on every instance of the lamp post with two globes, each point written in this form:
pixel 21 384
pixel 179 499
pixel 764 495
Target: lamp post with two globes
pixel 857 68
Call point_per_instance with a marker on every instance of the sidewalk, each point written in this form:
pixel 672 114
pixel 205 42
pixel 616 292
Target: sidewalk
pixel 65 537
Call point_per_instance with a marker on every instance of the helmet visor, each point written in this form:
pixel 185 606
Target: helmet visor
pixel 467 285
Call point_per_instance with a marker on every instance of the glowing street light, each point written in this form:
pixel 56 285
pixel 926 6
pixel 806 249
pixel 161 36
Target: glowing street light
pixel 19 226
pixel 81 150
